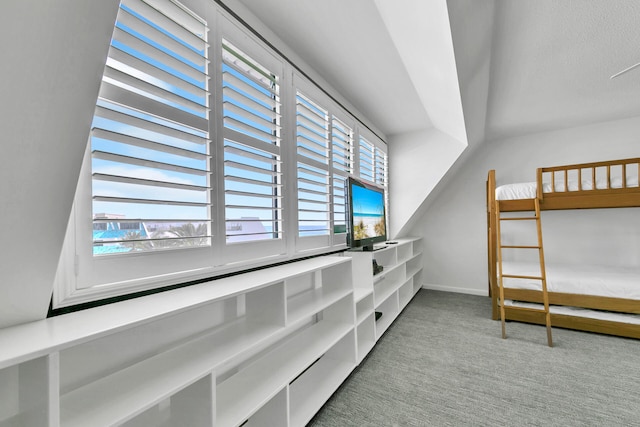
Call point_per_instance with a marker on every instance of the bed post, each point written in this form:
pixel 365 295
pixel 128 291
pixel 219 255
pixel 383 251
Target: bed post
pixel 539 191
pixel 491 243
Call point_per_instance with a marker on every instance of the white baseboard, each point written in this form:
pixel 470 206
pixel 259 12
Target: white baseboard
pixel 460 290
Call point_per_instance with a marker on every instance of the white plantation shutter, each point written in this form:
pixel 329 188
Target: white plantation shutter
pixel 150 136
pixel 381 175
pixel 342 166
pixel 252 152
pixel 366 160
pixel 312 142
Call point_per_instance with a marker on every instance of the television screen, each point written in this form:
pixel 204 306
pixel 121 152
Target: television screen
pixel 366 214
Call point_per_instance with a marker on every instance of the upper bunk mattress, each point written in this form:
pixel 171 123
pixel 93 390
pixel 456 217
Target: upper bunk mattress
pixel 616 282
pixel 527 190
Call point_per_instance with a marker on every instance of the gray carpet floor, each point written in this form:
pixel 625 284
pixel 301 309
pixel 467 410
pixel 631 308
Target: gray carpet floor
pixel 443 363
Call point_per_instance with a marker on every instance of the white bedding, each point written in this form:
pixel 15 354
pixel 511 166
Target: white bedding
pixel 617 282
pixel 527 190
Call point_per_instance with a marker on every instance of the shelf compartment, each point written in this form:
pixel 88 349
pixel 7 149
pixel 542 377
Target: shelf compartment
pixel 414 265
pixel 389 309
pixel 405 251
pixel 405 293
pixel 273 413
pixel 417 281
pixel 386 257
pixel 119 397
pixel 388 284
pixel 364 308
pixel 243 394
pixel 366 336
pixel 310 302
pixel 191 406
pixel 156 378
pixel 28 393
pixel 316 384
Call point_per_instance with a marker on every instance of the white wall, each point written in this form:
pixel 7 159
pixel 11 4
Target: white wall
pixel 454 224
pixel 53 56
pixel 417 162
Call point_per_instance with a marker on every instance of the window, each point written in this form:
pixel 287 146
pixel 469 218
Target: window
pixel 208 154
pixel 149 142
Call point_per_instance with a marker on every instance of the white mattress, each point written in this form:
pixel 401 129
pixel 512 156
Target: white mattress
pixel 617 282
pixel 527 190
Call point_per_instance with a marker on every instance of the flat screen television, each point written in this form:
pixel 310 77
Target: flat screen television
pixel 366 218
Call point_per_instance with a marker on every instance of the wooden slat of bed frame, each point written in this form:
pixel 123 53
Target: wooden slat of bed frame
pixel 620 305
pixel 577 323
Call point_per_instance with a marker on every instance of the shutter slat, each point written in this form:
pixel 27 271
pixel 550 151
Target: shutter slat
pixel 165 21
pixel 254 156
pixel 156 55
pixel 152 89
pixel 144 143
pixel 147 182
pixel 159 37
pixel 110 92
pixel 126 119
pixel 102 155
pixel 250 168
pixel 230 81
pixel 148 201
pixel 249 129
pixel 157 73
pixel 248 115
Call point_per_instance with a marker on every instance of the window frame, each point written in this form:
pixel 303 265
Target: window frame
pixel 84 279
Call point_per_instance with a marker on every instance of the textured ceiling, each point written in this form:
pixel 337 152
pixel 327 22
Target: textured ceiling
pixel 548 64
pixel 552 61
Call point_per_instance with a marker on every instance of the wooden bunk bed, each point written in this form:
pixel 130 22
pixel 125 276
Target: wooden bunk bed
pixel 607 184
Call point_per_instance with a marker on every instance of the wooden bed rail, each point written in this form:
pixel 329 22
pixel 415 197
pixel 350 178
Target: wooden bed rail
pixel 622 168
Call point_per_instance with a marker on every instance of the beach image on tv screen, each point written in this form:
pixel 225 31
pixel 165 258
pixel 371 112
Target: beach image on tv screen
pixel 368 213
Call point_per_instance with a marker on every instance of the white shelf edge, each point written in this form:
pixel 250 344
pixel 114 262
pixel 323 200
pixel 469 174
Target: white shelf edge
pixel 316 385
pixel 360 293
pixel 119 397
pixel 61 332
pixel 312 302
pixel 241 395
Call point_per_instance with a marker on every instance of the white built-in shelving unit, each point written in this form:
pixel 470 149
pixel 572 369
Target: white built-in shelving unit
pixel 267 347
pixel 386 292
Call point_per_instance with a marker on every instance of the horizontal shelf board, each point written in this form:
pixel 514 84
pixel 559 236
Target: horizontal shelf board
pixel 97 400
pixel 413 272
pixel 361 293
pixel 121 396
pixel 246 391
pixel 30 340
pixel 384 292
pixel 309 392
pixel 311 302
pixel 361 317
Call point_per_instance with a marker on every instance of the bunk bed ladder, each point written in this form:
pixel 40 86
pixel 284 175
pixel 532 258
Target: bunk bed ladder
pixel 542 277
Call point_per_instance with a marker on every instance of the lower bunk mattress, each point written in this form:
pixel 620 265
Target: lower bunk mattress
pixel 615 282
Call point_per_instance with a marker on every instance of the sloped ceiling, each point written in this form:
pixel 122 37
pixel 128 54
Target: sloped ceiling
pixel 535 65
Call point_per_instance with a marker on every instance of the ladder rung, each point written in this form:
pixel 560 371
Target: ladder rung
pixel 519 247
pixel 516 276
pixel 519 218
